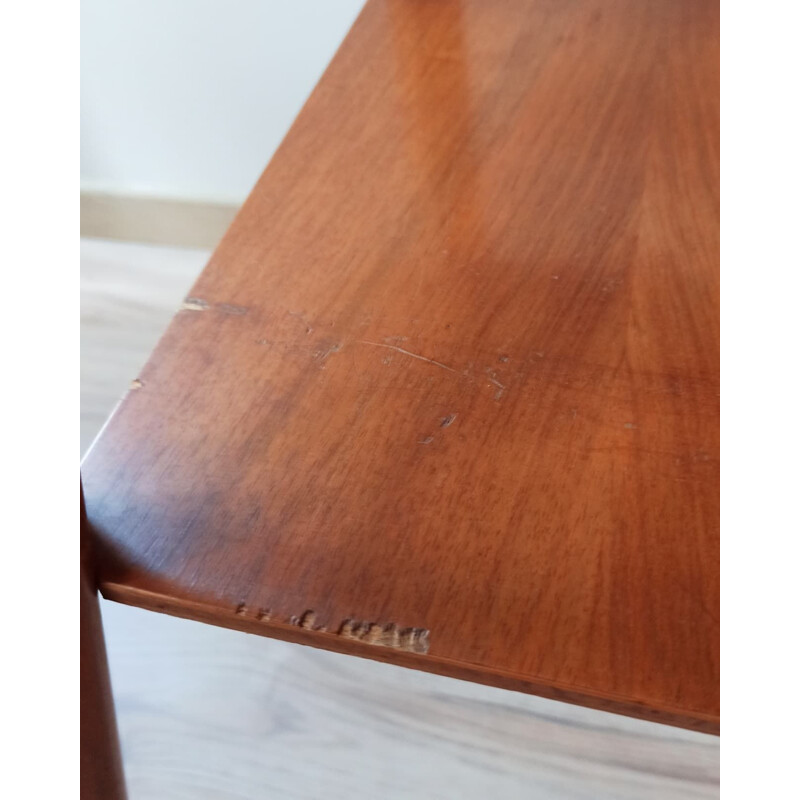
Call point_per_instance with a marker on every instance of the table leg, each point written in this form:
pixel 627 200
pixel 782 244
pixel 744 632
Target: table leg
pixel 101 761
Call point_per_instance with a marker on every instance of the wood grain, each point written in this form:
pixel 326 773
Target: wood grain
pixel 206 713
pixel 454 368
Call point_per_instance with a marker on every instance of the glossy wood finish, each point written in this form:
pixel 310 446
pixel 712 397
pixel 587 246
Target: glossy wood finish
pixel 206 713
pixel 454 368
pixel 101 761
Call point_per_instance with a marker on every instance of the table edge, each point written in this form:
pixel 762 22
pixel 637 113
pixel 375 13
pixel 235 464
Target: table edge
pixel 233 619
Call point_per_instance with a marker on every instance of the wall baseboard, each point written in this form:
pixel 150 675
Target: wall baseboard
pixel 154 221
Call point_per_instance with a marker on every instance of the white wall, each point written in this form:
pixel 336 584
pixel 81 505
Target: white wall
pixel 190 98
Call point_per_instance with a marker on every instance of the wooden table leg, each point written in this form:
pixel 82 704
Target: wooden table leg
pixel 101 761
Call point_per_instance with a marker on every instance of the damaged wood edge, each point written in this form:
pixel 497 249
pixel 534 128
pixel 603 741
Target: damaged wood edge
pixel 210 614
pixel 412 640
pixel 194 304
pixel 197 304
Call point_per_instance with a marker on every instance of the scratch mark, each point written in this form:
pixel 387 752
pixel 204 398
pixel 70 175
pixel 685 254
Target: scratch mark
pixel 409 353
pixel 426 440
pixel 227 308
pixel 136 384
pixel 321 355
pixel 492 378
pixel 194 304
pixel 448 420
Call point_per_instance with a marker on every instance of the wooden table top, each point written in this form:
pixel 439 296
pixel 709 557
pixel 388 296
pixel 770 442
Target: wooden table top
pixel 446 395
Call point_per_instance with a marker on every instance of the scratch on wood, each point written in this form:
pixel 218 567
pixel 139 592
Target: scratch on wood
pixel 500 387
pixel 321 355
pixel 227 308
pixel 448 420
pixel 194 304
pixel 409 353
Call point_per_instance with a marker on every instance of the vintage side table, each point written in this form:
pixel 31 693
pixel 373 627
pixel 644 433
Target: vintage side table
pixel 446 394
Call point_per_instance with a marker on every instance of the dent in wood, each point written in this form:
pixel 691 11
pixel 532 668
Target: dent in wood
pixel 261 614
pixel 413 640
pixel 306 621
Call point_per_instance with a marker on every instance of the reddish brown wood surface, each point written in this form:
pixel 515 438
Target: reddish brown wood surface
pixel 101 761
pixel 454 368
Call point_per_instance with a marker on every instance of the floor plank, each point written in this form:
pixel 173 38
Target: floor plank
pixel 129 293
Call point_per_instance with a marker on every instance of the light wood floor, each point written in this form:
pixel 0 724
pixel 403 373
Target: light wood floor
pixel 211 714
